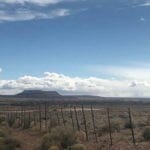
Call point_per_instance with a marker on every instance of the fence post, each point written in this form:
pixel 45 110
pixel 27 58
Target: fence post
pixel 21 117
pixel 93 121
pixel 18 117
pixel 77 121
pixel 85 125
pixel 24 115
pixel 57 115
pixel 29 119
pixel 109 126
pixel 34 120
pixel 45 108
pixel 131 125
pixel 62 114
pixel 34 116
pixel 16 114
pixel 50 118
pixel 71 115
pixel 40 117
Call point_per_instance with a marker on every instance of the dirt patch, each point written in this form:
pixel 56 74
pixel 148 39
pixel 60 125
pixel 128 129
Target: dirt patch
pixel 29 140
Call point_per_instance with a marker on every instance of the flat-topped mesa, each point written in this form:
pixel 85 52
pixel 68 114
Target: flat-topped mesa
pixel 38 94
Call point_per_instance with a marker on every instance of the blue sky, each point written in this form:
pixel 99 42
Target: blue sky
pixel 104 39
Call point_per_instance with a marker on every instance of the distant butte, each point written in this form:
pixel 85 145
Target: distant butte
pixel 38 94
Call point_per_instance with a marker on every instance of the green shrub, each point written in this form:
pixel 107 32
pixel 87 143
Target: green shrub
pixel 5 142
pixel 53 123
pixel 77 147
pixel 2 119
pixel 17 124
pixel 62 137
pixel 26 124
pixel 141 125
pixel 9 144
pixel 128 125
pixel 2 133
pixel 46 142
pixel 2 146
pixel 4 123
pixel 115 126
pixel 146 133
pixel 11 121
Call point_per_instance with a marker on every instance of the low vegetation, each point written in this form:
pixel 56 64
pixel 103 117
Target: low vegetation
pixel 58 137
pixel 146 133
pixel 58 129
pixel 78 147
pixel 6 142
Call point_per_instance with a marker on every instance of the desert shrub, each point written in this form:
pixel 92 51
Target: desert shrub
pixel 2 119
pixel 141 124
pixel 2 133
pixel 9 144
pixel 127 125
pixel 115 126
pixel 11 121
pixel 2 146
pixel 4 123
pixel 53 123
pixel 146 133
pixel 35 127
pixel 32 124
pixel 16 123
pixel 77 147
pixel 123 116
pixel 60 136
pixel 46 142
pixel 80 136
pixel 26 124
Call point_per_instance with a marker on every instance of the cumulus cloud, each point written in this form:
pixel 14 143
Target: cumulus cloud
pixel 22 15
pixel 76 85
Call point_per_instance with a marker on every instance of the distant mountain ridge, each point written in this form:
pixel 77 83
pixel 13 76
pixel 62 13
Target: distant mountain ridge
pixel 55 96
pixel 30 97
pixel 51 95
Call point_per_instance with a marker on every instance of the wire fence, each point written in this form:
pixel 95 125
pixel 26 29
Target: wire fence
pixel 98 123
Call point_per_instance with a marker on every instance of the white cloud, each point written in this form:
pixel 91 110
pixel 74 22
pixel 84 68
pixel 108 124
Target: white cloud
pixel 22 15
pixel 146 3
pixel 75 85
pixel 130 73
pixel 22 10
pixel 0 70
pixel 37 2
